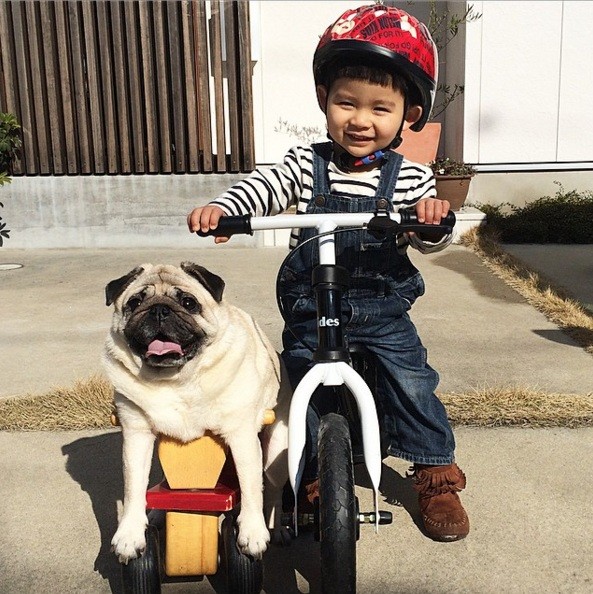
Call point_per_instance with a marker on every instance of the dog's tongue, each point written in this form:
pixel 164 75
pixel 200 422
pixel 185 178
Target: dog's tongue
pixel 158 347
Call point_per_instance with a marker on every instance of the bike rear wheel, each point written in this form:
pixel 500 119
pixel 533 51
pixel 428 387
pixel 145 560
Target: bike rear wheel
pixel 244 574
pixel 337 506
pixel 143 574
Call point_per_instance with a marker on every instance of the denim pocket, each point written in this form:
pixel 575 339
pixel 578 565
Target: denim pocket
pixel 410 289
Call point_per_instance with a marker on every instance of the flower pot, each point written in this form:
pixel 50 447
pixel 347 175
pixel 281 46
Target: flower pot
pixel 421 147
pixel 453 188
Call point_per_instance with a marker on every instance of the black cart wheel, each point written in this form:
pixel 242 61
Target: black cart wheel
pixel 338 519
pixel 143 574
pixel 244 574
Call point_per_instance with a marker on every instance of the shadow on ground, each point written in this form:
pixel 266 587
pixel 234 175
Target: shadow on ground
pixel 95 464
pixel 469 265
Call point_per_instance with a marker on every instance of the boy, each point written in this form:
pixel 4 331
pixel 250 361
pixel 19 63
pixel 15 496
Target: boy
pixel 375 76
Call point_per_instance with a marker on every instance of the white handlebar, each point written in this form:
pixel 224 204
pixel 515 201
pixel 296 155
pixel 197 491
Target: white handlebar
pixel 325 222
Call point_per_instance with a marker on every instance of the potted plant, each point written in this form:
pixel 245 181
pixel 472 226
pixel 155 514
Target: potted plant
pixel 452 180
pixel 10 144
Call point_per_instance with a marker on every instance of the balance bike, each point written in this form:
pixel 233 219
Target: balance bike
pixel 354 412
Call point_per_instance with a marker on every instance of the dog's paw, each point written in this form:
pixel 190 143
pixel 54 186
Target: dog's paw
pixel 253 537
pixel 129 541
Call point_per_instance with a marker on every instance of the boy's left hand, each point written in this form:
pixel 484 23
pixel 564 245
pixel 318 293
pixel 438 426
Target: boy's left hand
pixel 432 210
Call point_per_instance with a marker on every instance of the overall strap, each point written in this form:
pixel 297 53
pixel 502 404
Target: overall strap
pixel 322 153
pixel 389 175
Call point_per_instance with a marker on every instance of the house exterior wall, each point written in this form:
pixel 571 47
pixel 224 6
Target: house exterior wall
pixel 527 98
pixel 528 86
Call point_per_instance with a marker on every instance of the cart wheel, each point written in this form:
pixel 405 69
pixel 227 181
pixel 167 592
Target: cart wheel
pixel 244 574
pixel 337 506
pixel 143 574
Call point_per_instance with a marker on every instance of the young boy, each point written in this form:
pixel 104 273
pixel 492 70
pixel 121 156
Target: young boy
pixel 375 76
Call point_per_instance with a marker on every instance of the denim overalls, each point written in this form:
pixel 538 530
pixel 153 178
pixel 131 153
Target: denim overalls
pixel 384 284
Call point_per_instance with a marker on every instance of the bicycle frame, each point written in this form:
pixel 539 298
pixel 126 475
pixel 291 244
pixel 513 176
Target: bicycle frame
pixel 330 373
pixel 331 358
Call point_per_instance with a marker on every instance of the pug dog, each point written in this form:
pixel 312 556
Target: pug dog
pixel 182 361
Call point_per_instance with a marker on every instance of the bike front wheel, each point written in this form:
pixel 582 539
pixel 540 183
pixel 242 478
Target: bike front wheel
pixel 337 506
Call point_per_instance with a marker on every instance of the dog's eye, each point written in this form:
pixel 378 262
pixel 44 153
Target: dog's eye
pixel 189 303
pixel 133 303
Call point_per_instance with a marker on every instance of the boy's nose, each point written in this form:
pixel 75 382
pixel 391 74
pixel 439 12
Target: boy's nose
pixel 360 119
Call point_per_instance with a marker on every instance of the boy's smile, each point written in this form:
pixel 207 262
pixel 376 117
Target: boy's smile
pixel 362 117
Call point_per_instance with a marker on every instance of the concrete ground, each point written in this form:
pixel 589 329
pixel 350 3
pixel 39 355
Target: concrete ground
pixel 528 493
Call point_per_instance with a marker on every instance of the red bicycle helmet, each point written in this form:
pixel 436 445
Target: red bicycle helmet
pixel 388 36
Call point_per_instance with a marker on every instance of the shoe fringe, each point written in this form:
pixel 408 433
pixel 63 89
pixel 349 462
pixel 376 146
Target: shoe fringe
pixel 450 479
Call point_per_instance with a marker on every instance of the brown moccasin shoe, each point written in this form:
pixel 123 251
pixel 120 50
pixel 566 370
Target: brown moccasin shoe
pixel 442 513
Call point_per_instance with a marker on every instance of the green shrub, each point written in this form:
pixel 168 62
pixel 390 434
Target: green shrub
pixel 10 145
pixel 10 141
pixel 563 218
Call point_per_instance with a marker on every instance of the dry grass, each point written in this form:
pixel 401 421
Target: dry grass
pixel 88 404
pixel 518 407
pixel 85 405
pixel 554 303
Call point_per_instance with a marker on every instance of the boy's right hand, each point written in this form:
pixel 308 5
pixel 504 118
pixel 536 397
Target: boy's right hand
pixel 205 218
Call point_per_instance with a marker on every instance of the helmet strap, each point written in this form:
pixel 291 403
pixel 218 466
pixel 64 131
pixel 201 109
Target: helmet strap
pixel 398 137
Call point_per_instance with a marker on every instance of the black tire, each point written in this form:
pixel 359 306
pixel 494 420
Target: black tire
pixel 244 574
pixel 143 574
pixel 337 507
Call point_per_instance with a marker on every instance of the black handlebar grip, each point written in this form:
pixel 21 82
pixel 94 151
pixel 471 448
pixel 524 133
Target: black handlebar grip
pixel 410 217
pixel 228 226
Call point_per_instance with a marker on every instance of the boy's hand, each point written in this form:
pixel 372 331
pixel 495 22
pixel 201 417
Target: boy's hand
pixel 431 211
pixel 205 218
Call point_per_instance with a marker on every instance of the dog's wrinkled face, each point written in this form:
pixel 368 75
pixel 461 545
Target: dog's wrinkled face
pixel 161 327
pixel 161 309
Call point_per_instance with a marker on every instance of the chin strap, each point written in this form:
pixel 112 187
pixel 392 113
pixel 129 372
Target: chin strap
pixel 349 162
pixel 369 159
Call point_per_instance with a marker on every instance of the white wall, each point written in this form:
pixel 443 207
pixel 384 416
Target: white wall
pixel 529 85
pixel 575 117
pixel 283 85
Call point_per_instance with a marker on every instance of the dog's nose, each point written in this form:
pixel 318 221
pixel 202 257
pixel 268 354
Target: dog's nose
pixel 160 311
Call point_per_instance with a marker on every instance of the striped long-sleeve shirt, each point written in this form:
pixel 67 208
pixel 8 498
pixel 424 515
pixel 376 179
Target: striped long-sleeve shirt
pixel 271 190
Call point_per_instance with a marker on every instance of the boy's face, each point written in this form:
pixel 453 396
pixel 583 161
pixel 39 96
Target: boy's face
pixel 363 117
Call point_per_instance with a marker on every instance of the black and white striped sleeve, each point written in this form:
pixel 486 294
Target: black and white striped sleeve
pixel 268 190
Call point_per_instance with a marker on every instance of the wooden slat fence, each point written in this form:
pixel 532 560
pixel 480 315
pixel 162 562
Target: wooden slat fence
pixel 128 87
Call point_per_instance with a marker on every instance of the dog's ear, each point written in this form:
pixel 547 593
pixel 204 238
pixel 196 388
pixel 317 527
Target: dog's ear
pixel 212 283
pixel 116 287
